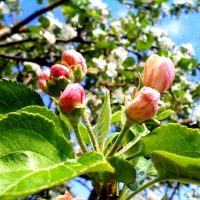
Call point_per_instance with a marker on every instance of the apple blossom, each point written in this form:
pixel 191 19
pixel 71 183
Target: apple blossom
pixel 159 73
pixel 144 106
pixel 43 77
pixel 73 58
pixel 71 97
pixel 58 70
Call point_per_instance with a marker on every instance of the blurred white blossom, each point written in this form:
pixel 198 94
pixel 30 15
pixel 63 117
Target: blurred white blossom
pixel 35 67
pixel 189 48
pixel 4 8
pixel 49 36
pixel 116 25
pixel 197 114
pixel 158 32
pixel 166 43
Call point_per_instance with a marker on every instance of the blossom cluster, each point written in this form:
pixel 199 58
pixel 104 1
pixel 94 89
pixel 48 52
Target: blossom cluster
pixel 63 80
pixel 158 75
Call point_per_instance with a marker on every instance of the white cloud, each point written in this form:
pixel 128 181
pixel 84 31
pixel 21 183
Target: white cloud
pixel 173 28
pixel 122 13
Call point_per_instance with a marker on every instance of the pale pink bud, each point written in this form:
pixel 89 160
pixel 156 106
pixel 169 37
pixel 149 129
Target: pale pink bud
pixel 66 196
pixel 73 58
pixel 159 73
pixel 72 96
pixel 43 77
pixel 144 106
pixel 58 70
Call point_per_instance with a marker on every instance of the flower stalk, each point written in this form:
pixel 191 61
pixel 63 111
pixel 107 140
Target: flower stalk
pixel 126 127
pixel 91 133
pixel 79 139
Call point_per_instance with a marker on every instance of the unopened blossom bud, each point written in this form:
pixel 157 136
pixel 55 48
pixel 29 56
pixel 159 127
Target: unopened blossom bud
pixel 72 97
pixel 68 196
pixel 58 70
pixel 144 106
pixel 73 58
pixel 43 77
pixel 159 73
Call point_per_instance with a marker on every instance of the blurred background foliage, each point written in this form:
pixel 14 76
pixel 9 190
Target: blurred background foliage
pixel 116 48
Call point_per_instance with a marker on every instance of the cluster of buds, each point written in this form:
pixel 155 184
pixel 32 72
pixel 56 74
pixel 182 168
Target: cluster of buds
pixel 63 82
pixel 159 73
pixel 71 70
pixel 68 196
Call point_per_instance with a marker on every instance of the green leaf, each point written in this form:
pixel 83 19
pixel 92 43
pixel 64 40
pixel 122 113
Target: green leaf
pixel 103 122
pixel 116 117
pixel 84 133
pixel 128 62
pixel 102 45
pixel 14 96
pixel 110 141
pixel 34 29
pixel 143 45
pixel 172 138
pixel 44 22
pixel 34 155
pixel 49 115
pixel 164 115
pixel 124 171
pixel 176 167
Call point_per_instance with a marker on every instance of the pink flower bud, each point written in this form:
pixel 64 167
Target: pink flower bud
pixel 73 58
pixel 72 96
pixel 144 106
pixel 58 70
pixel 159 73
pixel 43 77
pixel 68 196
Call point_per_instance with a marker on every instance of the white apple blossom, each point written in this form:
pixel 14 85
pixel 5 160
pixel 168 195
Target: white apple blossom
pixel 50 37
pixel 4 8
pixel 166 43
pixel 101 63
pixel 111 70
pixel 116 25
pixel 189 48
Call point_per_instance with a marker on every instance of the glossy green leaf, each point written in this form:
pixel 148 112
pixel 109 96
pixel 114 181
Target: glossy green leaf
pixel 128 62
pixel 175 167
pixel 84 133
pixel 44 22
pixel 34 155
pixel 51 116
pixel 116 117
pixel 124 171
pixel 172 138
pixel 103 122
pixel 110 141
pixel 14 96
pixel 34 29
pixel 164 115
pixel 143 45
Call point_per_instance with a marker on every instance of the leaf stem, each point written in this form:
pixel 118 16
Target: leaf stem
pixel 143 187
pixel 123 193
pixel 80 140
pixel 91 133
pixel 126 127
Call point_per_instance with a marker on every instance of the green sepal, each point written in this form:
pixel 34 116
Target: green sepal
pixel 54 89
pixel 78 74
pixel 75 115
